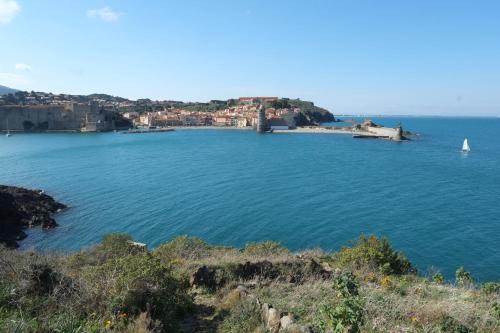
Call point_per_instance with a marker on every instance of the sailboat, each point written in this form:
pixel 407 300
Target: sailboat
pixel 8 131
pixel 465 146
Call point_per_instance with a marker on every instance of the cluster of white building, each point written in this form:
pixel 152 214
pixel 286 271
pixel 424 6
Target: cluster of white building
pixel 242 115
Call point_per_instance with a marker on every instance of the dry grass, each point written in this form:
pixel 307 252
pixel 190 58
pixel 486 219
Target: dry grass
pixel 82 291
pixel 427 307
pixel 303 301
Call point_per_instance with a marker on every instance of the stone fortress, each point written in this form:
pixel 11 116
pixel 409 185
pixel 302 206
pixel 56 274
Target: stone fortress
pixel 85 117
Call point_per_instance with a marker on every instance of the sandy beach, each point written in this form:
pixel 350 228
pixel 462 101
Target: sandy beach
pixel 212 128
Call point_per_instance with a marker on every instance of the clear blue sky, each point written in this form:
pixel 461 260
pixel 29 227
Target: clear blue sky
pixel 388 57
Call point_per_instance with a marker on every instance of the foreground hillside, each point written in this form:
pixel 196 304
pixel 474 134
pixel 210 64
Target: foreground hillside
pixel 187 285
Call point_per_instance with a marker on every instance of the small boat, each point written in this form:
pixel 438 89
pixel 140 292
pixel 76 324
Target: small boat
pixel 8 131
pixel 140 245
pixel 465 146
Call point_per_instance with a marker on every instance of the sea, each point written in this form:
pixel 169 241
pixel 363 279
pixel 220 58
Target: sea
pixel 436 204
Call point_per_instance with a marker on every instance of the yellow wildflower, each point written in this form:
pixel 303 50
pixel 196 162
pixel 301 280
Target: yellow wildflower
pixel 386 282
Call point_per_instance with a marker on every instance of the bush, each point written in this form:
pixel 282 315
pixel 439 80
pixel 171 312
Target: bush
pixel 79 293
pixel 136 284
pixel 377 252
pixel 438 278
pixel 264 249
pixel 347 315
pixel 182 247
pixel 451 325
pixel 117 245
pixel 346 285
pixel 495 311
pixel 490 287
pixel 463 278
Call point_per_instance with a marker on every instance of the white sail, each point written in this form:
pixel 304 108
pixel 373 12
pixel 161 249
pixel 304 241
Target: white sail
pixel 8 131
pixel 465 146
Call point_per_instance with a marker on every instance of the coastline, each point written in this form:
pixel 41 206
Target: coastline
pixel 315 130
pixel 226 128
pixel 22 209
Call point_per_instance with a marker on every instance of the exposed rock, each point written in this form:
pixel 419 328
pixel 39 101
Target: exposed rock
pixel 273 320
pixel 295 328
pixel 21 208
pixel 265 312
pixel 315 268
pixel 286 322
pixel 294 271
pixel 263 269
pixel 204 277
pixel 43 280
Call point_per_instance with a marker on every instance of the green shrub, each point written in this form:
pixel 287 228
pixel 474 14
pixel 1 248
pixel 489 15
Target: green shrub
pixel 264 249
pixel 347 315
pixel 438 278
pixel 495 311
pixel 182 247
pixel 449 324
pixel 136 284
pixel 79 293
pixel 462 277
pixel 490 287
pixel 117 245
pixel 373 251
pixel 346 285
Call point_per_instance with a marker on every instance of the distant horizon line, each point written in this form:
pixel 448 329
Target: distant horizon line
pixel 417 115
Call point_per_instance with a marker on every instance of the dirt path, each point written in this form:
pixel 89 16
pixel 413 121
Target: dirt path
pixel 205 317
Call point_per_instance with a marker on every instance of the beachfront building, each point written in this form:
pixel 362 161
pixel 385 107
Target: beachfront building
pixel 241 122
pixel 221 121
pixel 145 119
pixel 131 115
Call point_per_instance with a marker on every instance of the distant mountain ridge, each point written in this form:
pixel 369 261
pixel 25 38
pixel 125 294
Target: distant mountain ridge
pixel 6 90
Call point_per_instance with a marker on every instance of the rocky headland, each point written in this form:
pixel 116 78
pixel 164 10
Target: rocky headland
pixel 22 208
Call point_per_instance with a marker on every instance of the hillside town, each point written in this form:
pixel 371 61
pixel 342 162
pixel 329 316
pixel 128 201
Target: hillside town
pixel 244 114
pixel 47 111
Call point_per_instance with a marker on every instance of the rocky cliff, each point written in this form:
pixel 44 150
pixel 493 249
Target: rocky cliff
pixel 20 209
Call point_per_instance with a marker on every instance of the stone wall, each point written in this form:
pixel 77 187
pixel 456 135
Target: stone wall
pixel 67 117
pixel 391 133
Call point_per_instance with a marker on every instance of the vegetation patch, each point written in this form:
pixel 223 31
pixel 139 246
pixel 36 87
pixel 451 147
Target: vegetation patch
pixel 187 285
pixel 376 252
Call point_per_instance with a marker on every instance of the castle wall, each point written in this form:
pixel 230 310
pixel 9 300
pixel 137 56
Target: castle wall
pixel 69 117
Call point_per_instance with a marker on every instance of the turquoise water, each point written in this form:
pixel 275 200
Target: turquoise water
pixel 439 206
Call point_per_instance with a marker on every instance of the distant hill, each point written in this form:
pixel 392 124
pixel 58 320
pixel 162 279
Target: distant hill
pixel 107 97
pixel 6 90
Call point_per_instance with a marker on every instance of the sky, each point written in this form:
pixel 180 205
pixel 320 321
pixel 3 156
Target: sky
pixel 418 57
